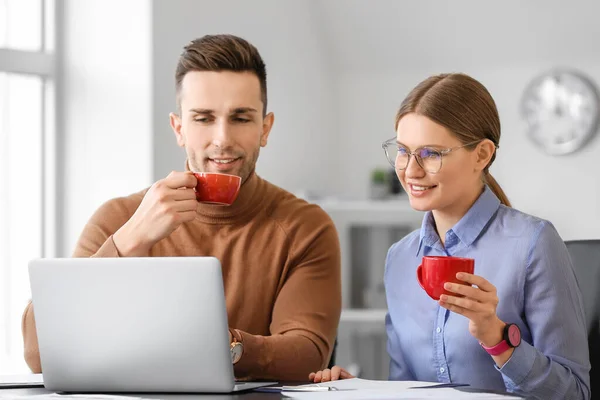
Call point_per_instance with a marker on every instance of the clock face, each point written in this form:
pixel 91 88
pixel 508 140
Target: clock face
pixel 561 109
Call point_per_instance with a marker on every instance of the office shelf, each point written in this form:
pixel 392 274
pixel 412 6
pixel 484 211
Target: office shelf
pixel 367 228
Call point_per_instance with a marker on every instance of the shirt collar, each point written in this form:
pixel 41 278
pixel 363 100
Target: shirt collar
pixel 470 226
pixel 428 235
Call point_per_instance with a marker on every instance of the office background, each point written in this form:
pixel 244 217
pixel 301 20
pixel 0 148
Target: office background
pixel 86 88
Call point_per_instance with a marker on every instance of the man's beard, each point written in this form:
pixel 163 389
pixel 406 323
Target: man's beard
pixel 244 170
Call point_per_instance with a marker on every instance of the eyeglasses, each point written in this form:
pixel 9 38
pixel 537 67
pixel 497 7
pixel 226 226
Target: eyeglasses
pixel 428 158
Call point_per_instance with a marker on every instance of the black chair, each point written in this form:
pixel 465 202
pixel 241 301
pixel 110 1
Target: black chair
pixel 585 255
pixel 332 359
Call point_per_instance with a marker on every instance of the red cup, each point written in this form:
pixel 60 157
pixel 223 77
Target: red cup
pixel 215 188
pixel 434 271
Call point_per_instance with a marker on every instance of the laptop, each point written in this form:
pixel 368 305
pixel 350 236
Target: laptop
pixel 144 325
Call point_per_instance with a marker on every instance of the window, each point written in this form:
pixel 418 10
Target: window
pixel 22 22
pixel 26 160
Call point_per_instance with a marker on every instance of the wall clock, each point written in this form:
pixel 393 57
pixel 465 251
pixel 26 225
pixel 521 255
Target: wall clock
pixel 561 108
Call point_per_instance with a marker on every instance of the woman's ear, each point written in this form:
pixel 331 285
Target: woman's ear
pixel 485 151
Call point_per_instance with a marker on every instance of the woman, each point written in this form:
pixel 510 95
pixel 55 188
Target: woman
pixel 447 134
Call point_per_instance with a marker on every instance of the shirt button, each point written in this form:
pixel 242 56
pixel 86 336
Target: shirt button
pixel 442 370
pixel 438 330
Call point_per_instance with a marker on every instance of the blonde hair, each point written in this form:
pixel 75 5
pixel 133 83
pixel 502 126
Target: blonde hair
pixel 463 106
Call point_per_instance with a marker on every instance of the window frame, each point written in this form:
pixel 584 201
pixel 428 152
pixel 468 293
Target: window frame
pixel 43 64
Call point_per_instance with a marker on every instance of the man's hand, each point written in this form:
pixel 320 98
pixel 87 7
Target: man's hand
pixel 167 204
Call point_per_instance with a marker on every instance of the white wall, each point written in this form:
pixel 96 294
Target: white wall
pixel 105 112
pixel 300 82
pixel 562 189
pixel 417 39
pixel 335 80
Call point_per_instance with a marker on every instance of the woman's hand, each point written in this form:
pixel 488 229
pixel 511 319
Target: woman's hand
pixel 327 375
pixel 477 303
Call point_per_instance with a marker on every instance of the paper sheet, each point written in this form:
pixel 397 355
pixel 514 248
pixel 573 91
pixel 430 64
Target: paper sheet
pixel 359 389
pixel 414 394
pixel 357 383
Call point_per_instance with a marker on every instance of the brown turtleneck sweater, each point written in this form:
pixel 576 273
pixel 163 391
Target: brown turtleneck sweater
pixel 281 270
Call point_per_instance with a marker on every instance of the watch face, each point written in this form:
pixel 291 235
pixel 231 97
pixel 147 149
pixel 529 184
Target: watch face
pixel 561 110
pixel 514 335
pixel 236 352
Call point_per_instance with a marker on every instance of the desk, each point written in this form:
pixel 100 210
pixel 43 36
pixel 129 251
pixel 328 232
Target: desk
pixel 250 395
pixel 237 396
pixel 241 396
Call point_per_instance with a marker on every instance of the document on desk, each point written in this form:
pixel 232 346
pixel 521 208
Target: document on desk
pixel 24 380
pixel 358 389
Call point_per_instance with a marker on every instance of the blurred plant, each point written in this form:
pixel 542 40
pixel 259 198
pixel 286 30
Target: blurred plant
pixel 379 175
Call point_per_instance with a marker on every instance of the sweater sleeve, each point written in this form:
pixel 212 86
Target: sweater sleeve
pixel 95 241
pixel 305 315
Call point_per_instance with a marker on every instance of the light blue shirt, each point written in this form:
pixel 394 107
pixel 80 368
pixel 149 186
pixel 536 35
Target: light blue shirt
pixel 527 261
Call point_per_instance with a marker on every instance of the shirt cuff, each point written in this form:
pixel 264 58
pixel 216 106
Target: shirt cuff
pixel 519 365
pixel 252 356
pixel 108 249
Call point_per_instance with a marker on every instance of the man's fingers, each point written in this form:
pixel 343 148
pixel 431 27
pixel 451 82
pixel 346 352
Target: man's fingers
pixel 185 205
pixel 326 375
pixel 177 180
pixel 184 194
pixel 187 216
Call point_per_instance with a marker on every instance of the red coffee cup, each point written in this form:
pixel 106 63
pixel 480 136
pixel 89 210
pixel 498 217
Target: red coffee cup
pixel 216 188
pixel 434 271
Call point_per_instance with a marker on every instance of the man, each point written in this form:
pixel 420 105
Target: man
pixel 280 255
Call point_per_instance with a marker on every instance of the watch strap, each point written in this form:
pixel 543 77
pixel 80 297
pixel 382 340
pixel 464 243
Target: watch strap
pixel 497 349
pixel 504 345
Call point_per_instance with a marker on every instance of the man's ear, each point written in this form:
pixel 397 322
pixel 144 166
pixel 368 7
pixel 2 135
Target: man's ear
pixel 175 121
pixel 268 121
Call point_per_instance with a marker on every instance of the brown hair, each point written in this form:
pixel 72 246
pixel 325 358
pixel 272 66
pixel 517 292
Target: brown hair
pixel 463 106
pixel 221 53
